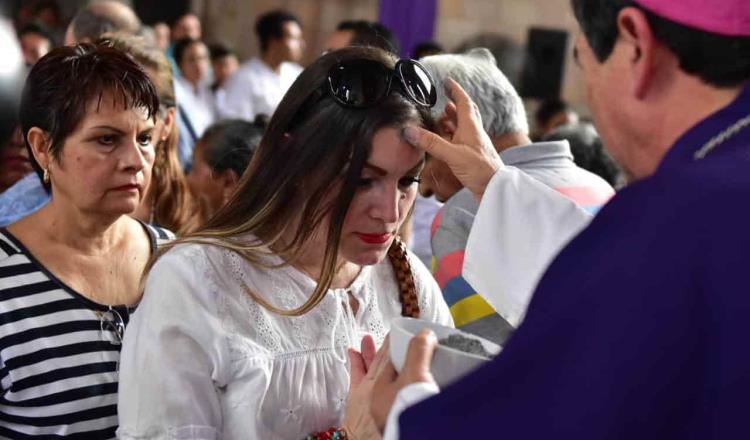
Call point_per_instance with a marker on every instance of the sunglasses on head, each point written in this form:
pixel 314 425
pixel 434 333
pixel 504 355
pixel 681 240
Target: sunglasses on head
pixel 365 83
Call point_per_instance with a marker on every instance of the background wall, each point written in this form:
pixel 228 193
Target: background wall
pixel 232 21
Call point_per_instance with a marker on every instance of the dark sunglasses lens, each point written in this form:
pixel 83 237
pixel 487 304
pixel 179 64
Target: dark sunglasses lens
pixel 359 83
pixel 418 83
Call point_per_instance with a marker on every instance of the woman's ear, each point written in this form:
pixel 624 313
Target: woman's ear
pixel 39 143
pixel 228 181
pixel 168 122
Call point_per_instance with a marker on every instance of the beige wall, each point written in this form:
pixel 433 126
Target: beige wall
pixel 459 19
pixel 232 21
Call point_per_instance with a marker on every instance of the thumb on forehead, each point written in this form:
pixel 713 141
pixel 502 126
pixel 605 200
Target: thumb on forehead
pixel 427 141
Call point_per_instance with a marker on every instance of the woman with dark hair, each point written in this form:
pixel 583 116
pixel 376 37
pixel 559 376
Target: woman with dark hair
pixel 245 325
pixel 70 272
pixel 168 202
pixel 219 159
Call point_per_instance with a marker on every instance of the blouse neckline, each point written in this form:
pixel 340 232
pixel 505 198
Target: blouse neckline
pixel 88 302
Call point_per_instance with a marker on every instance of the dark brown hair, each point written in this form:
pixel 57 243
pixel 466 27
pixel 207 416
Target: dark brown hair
pixel 64 82
pixel 311 150
pixel 718 60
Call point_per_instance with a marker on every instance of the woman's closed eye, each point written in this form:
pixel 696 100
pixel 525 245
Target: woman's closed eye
pixel 408 181
pixel 403 183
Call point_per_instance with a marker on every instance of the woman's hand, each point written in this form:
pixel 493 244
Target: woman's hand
pixel 358 421
pixel 470 153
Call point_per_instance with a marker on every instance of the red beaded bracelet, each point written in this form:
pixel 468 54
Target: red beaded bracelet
pixel 329 434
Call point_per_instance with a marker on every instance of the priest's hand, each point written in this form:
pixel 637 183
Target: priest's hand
pixel 358 421
pixel 469 153
pixel 416 369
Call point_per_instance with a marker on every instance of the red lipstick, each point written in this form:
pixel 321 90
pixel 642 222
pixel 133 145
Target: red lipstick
pixel 374 238
pixel 131 187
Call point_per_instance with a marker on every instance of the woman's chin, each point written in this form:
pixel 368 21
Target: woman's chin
pixel 368 258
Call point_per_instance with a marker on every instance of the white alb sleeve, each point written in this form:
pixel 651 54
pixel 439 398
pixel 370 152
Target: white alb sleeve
pixel 408 396
pixel 520 227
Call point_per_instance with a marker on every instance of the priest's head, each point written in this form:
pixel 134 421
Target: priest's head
pixel 654 68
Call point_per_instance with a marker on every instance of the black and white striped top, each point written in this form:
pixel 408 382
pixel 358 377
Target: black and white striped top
pixel 59 352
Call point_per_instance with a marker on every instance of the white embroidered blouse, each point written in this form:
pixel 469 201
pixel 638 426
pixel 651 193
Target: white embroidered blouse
pixel 202 360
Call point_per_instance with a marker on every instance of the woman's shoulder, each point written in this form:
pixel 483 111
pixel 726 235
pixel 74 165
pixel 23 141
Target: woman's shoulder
pixel 206 257
pixel 158 234
pixel 8 246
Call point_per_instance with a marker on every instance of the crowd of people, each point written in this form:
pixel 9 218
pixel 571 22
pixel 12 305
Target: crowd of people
pixel 195 247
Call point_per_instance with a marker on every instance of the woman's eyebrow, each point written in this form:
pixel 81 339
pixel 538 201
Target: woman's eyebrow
pixel 376 169
pixel 108 127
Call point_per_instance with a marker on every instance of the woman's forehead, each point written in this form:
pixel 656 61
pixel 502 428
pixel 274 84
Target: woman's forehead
pixel 391 153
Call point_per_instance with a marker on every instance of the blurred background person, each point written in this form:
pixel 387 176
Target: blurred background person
pixel 162 35
pixel 588 151
pixel 187 26
pixel 363 33
pixel 259 84
pixel 88 115
pixel 45 13
pixel 14 160
pixel 219 159
pixel 35 41
pixel 504 120
pixel 427 48
pixel 98 18
pixel 553 113
pixel 224 63
pixel 193 91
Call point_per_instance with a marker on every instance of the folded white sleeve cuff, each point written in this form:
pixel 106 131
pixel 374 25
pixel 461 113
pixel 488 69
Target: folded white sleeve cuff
pixel 520 227
pixel 408 396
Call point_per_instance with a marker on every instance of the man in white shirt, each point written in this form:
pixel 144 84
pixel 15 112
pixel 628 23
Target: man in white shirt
pixel 260 83
pixel 195 102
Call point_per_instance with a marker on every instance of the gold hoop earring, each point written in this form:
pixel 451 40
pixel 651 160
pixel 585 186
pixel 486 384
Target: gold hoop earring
pixel 45 176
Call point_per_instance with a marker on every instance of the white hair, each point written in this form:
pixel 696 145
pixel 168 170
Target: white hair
pixel 476 71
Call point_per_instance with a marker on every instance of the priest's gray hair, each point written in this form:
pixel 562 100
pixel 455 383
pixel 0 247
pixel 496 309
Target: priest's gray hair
pixel 476 71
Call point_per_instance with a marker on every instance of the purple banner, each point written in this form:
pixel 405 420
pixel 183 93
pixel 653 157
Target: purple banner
pixel 413 21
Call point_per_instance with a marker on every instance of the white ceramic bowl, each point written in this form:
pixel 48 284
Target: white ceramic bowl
pixel 448 364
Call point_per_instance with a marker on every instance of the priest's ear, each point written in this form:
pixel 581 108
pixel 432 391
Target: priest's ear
pixel 642 50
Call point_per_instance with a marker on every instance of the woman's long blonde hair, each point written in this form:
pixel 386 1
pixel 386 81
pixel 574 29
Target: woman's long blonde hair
pixel 313 148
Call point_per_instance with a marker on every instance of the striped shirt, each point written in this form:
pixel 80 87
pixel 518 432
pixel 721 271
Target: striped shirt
pixel 550 163
pixel 59 351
